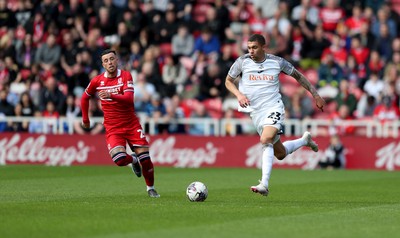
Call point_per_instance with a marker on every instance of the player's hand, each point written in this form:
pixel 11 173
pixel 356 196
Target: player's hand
pixel 320 102
pixel 104 94
pixel 243 101
pixel 86 125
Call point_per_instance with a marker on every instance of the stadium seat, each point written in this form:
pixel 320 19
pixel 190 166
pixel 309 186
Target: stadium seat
pixel 166 48
pixel 214 107
pixel 199 12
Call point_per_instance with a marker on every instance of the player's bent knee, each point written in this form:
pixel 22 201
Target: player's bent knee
pixel 121 159
pixel 280 155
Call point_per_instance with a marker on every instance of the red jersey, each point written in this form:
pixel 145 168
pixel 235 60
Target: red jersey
pixel 117 114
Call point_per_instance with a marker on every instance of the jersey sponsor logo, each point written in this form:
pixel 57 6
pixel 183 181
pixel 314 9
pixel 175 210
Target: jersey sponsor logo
pixel 254 77
pixel 260 71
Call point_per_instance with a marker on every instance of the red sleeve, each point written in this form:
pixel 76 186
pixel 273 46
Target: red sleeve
pixel 126 98
pixel 85 107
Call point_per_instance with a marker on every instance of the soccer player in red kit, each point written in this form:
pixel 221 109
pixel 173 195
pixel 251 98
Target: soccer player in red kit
pixel 115 90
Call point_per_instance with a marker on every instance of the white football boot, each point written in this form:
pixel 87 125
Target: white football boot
pixel 260 188
pixel 310 143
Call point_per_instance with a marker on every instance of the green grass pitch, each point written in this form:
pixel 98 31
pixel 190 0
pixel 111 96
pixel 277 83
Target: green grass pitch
pixel 109 201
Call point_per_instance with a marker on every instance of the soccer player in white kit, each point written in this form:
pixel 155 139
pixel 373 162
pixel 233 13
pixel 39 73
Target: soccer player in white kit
pixel 258 94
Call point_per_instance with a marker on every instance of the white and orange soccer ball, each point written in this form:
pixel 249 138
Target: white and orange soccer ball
pixel 197 192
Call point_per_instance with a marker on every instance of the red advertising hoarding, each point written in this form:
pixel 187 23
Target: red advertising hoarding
pixel 190 151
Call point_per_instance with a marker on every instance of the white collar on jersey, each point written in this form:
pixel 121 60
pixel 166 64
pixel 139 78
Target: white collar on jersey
pixel 118 73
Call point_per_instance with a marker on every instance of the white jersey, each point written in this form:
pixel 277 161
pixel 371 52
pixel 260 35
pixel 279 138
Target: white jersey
pixel 260 80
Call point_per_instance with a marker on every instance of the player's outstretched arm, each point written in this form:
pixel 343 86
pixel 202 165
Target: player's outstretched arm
pixel 230 85
pixel 320 102
pixel 85 110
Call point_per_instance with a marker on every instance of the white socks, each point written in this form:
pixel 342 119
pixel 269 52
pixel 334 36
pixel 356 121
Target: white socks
pixel 150 187
pixel 293 145
pixel 266 165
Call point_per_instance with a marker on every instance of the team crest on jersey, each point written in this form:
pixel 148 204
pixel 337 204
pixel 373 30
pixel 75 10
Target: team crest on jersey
pixel 119 80
pixel 101 83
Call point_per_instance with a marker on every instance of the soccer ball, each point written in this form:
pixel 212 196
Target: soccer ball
pixel 197 192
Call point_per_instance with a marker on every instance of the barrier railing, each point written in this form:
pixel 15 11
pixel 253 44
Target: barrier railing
pixel 217 127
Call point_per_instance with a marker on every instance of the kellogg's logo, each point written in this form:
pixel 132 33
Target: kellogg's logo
pixel 34 150
pixel 388 157
pixel 304 159
pixel 164 152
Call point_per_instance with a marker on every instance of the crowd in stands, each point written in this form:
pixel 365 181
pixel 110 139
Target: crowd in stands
pixel 179 53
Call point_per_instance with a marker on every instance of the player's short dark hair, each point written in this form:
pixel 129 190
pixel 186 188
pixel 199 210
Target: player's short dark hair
pixel 107 51
pixel 257 38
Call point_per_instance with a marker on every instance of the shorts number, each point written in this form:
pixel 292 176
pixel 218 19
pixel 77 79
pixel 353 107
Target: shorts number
pixel 141 133
pixel 275 117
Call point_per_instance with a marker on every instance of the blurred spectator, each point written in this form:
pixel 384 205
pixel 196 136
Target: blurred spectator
pixel 312 48
pixel 346 97
pixel 226 59
pixel 215 23
pixel 331 14
pixel 124 40
pixel 49 10
pixel 337 50
pixel 174 76
pixel 157 110
pixel 48 54
pixel 299 105
pixel 69 54
pixel 374 86
pixel 338 120
pixel 386 110
pixel 223 14
pixel 27 106
pixel 375 64
pixel 37 124
pixel 335 156
pixel 7 48
pixel 143 92
pixel 182 42
pixel 167 27
pixel 268 7
pixel 281 22
pixel 52 93
pixel 231 128
pixel 207 43
pixel 133 17
pixel 277 43
pixel 18 126
pixel 383 42
pixel 6 108
pixel 383 19
pixel 355 21
pixel 365 106
pixel 25 53
pixel 329 76
pixel 212 83
pixel 68 11
pixel 198 129
pixel 257 23
pixel 176 109
pixel 7 17
pixel 307 8
pixel 367 39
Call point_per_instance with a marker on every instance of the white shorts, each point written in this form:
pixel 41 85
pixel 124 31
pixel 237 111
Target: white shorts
pixel 271 116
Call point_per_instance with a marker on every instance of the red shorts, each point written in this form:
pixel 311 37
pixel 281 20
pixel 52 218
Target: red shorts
pixel 120 137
